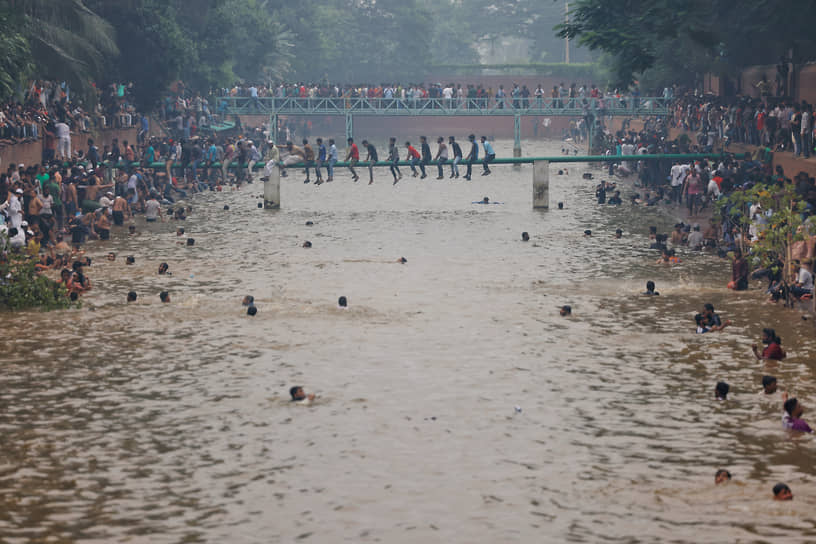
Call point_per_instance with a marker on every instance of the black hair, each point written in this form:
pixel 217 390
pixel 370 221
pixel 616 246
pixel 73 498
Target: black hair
pixel 768 380
pixel 708 306
pixel 722 390
pixel 618 231
pixel 587 232
pixel 226 208
pixel 790 405
pixel 650 285
pixel 190 241
pixel 252 310
pixel 342 302
pixel 779 488
pixel 293 390
pixel 130 259
pixel 309 223
pixel 652 230
pixel 260 204
pixel 525 236
pixel 560 205
pixel 307 243
pixel 163 268
pixel 131 296
pixel 721 472
pixel 77 265
pixel 74 296
pixel 772 335
pixel 164 295
pixel 698 318
pixel 249 300
pixel 181 230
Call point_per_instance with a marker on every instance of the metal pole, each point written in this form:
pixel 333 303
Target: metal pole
pixel 517 135
pixel 541 185
pixel 349 126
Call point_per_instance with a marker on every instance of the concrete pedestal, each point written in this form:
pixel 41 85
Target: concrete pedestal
pixel 541 184
pixel 272 189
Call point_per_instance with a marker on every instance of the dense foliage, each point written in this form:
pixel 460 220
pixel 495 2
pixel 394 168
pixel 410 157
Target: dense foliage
pixel 666 41
pixel 22 288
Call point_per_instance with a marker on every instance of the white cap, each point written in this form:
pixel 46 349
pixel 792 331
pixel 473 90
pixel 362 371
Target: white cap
pixel 18 191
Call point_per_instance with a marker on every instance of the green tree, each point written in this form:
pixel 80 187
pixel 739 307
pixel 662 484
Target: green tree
pixel 67 40
pixel 22 288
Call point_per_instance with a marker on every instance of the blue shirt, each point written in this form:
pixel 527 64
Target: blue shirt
pixel 488 149
pixel 321 153
pixel 212 153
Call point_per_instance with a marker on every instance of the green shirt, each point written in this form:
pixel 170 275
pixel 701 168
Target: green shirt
pixel 54 190
pixel 42 178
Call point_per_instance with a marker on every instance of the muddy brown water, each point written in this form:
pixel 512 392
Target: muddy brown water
pixel 171 423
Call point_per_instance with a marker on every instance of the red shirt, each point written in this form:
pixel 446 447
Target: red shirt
pixel 412 152
pixel 773 351
pixel 355 153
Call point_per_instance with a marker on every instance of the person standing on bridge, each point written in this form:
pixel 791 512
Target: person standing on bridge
pixel 371 159
pixel 457 157
pixel 352 157
pixel 489 155
pixel 441 156
pixel 393 158
pixel 426 155
pixel 473 155
pixel 413 156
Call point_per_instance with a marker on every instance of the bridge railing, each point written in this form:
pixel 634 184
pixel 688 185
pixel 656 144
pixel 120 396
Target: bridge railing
pixel 508 106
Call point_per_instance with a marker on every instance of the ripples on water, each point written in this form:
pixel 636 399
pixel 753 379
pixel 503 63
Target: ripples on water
pixel 170 423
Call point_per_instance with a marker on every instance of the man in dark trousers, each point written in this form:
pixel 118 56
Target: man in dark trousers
pixel 473 156
pixel 426 155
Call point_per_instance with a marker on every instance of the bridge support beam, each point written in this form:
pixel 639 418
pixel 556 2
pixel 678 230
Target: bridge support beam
pixel 541 185
pixel 272 189
pixel 349 126
pixel 273 128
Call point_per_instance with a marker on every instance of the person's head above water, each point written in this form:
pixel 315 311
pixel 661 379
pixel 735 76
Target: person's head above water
pixel 131 296
pixel 130 259
pixel 650 286
pixel 252 310
pixel 560 205
pixel 587 232
pixel 525 237
pixel 485 200
pixel 249 300
pixel 163 268
pixel 782 492
pixel 180 231
pixel 721 391
pixel 721 476
pixel 190 241
pixel 164 296
pixel 296 392
pixel 769 384
pixel 226 208
pixel 342 302
pixel 402 260
pixel 618 233
pixel 307 243
pixel 111 256
pixel 793 408
pixel 565 310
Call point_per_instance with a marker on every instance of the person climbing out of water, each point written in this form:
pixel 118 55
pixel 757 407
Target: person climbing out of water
pixel 773 351
pixel 650 289
pixel 298 395
pixel 721 476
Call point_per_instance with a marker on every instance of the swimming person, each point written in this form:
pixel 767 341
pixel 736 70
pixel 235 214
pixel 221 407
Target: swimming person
pixel 721 476
pixel 249 300
pixel 565 310
pixel 164 296
pixel 298 395
pixel 774 350
pixel 792 416
pixel 342 303
pixel 163 267
pixel 525 237
pixel 650 289
pixel 782 492
pixel 721 391
pixel 712 320
pixel 769 385
pixel 131 296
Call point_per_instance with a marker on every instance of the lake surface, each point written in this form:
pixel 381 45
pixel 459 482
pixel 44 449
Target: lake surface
pixel 171 423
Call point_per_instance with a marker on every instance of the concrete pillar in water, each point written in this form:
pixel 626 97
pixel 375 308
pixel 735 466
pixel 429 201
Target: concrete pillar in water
pixel 541 184
pixel 517 139
pixel 272 190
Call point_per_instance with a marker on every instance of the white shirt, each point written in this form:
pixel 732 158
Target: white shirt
pixel 62 130
pixel 713 188
pixel 677 175
pixel 152 207
pixel 105 202
pixel 805 278
pixel 15 211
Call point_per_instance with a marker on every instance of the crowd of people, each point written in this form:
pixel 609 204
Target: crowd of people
pixel 780 124
pixel 48 110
